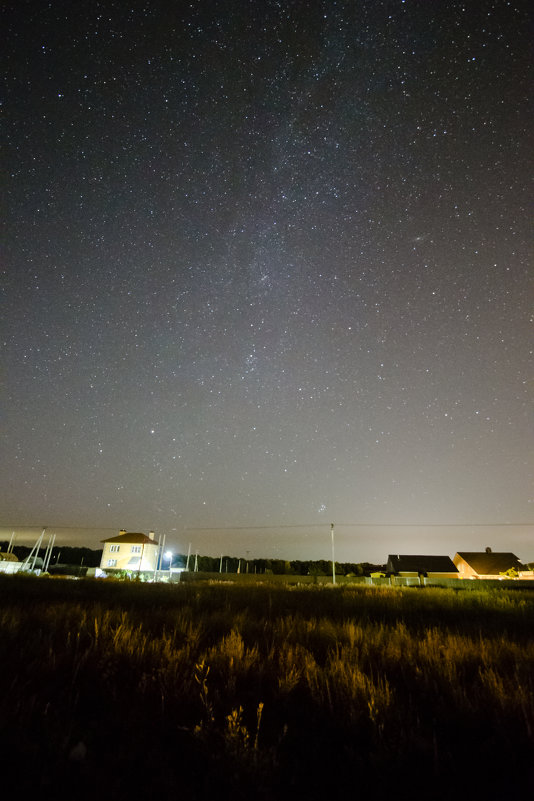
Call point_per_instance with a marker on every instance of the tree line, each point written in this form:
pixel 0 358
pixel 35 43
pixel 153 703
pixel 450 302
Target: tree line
pixel 87 557
pixel 61 555
pixel 294 567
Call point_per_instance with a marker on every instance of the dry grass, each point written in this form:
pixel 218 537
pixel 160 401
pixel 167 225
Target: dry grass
pixel 229 689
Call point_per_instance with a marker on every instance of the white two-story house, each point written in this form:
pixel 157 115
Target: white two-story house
pixel 130 551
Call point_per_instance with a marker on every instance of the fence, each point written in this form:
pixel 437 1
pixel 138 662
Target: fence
pixel 390 581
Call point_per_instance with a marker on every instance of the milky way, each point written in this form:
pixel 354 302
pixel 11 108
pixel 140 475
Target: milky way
pixel 267 264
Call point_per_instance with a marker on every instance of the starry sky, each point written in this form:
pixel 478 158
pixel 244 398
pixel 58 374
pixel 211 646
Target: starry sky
pixel 266 264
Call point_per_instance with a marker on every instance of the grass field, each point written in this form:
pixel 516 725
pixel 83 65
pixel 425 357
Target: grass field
pixel 218 691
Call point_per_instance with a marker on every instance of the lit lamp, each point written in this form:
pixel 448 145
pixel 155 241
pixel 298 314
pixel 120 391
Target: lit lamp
pixel 168 555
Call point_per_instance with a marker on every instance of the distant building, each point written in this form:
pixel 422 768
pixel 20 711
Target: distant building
pixel 8 557
pixel 409 566
pixel 9 563
pixel 129 551
pixel 487 564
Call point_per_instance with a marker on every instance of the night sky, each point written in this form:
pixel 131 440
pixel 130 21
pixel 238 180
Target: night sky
pixel 267 264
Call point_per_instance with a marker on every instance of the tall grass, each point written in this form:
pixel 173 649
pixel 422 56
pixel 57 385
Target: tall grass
pixel 197 691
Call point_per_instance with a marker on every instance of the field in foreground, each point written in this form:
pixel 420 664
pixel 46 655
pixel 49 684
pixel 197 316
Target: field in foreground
pixel 217 691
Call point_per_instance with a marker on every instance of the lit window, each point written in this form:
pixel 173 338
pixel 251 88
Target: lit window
pixel 111 563
pixel 114 548
pixel 136 549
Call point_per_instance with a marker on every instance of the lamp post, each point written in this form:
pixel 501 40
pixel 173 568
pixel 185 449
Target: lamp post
pixel 168 555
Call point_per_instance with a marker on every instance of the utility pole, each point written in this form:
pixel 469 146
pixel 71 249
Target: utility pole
pixel 45 558
pixel 188 557
pixel 48 552
pixel 38 548
pixel 33 553
pixel 141 560
pixel 333 555
pixel 159 557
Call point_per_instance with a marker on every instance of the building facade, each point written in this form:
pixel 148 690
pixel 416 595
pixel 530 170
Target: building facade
pixel 130 551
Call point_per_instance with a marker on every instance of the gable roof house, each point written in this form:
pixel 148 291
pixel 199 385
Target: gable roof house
pixel 408 566
pixel 130 551
pixel 486 564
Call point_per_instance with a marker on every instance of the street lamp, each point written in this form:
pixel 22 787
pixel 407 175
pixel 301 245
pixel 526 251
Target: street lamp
pixel 168 555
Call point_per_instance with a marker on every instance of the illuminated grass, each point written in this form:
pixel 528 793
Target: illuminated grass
pixel 250 687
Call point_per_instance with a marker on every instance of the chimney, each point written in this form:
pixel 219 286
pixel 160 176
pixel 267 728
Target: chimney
pixel 488 550
pixel 151 535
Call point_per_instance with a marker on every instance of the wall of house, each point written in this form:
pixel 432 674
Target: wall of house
pixel 414 574
pixel 10 567
pixel 464 570
pixel 126 556
pixel 443 575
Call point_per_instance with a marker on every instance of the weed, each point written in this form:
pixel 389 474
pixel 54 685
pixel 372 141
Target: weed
pixel 256 683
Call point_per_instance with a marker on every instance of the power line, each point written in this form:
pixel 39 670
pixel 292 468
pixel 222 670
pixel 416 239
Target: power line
pixel 355 525
pixel 276 527
pixel 61 528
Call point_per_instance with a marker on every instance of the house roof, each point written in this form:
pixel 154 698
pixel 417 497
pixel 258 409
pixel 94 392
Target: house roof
pixel 490 564
pixel 8 557
pixel 418 563
pixel 132 537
